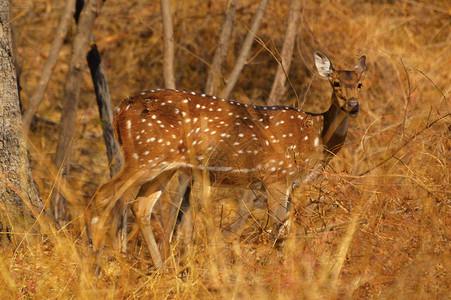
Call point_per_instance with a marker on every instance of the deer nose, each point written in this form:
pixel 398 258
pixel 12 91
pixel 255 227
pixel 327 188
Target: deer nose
pixel 353 107
pixel 353 104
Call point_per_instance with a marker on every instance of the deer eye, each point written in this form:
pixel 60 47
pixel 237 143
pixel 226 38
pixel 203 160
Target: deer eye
pixel 360 85
pixel 336 84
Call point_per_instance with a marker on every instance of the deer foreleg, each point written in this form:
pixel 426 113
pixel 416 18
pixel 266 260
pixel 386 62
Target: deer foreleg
pixel 142 207
pixel 278 205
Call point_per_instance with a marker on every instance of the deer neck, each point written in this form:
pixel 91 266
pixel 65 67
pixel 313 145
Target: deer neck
pixel 335 128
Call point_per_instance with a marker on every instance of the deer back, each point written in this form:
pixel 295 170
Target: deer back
pixel 236 143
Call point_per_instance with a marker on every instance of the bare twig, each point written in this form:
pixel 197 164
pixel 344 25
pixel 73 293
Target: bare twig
pixel 52 59
pixel 221 50
pixel 233 77
pixel 278 87
pixel 168 45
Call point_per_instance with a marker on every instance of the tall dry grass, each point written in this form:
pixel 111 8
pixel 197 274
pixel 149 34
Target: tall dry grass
pixel 376 226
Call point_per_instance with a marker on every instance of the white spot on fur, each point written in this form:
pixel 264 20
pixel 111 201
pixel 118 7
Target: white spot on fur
pixel 316 142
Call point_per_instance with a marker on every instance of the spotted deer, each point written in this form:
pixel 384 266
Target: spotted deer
pixel 273 148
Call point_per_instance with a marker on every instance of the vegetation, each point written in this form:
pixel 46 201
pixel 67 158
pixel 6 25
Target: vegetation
pixel 376 226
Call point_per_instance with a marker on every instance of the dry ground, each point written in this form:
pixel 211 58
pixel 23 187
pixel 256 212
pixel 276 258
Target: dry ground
pixel 377 225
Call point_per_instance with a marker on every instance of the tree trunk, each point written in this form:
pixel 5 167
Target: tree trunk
pixel 70 99
pixel 106 119
pixel 105 109
pixel 214 75
pixel 278 87
pixel 19 199
pixel 168 45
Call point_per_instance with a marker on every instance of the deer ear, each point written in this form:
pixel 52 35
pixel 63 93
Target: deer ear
pixel 361 65
pixel 323 64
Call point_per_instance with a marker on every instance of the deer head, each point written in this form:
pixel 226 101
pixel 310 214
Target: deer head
pixel 345 84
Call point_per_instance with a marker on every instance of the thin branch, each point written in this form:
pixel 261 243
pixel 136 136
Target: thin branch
pixel 213 77
pixel 244 53
pixel 278 87
pixel 405 144
pixel 436 87
pixel 50 63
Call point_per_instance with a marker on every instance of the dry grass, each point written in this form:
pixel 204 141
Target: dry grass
pixel 377 226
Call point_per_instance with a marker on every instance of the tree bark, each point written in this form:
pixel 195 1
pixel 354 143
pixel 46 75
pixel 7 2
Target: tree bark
pixel 19 199
pixel 214 75
pixel 50 63
pixel 247 45
pixel 278 87
pixel 70 100
pixel 168 45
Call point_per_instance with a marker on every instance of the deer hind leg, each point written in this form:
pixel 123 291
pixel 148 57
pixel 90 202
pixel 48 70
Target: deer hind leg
pixel 142 208
pixel 107 205
pixel 245 208
pixel 278 206
pixel 184 226
pixel 184 181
